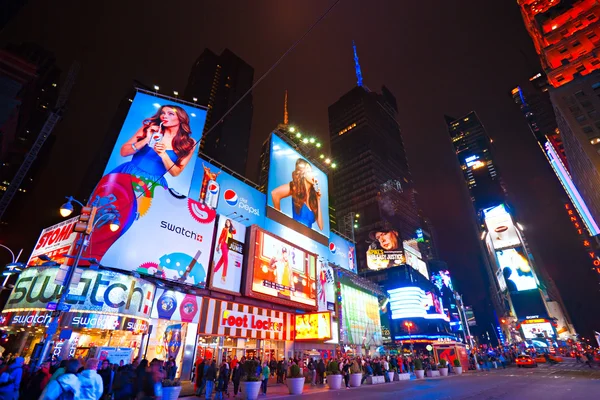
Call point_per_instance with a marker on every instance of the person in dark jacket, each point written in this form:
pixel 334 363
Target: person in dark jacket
pixel 200 382
pixel 236 376
pixel 124 384
pixel 37 383
pixel 211 377
pixel 273 366
pixel 321 372
pixel 107 375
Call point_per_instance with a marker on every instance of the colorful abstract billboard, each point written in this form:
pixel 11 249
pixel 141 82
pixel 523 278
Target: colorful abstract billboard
pixel 360 316
pixel 54 242
pixel 385 250
pixel 228 256
pixel 161 233
pixel 342 252
pixel 314 326
pixel 227 194
pixel 517 274
pixel 281 272
pixel 501 228
pixel 157 142
pixel 414 302
pixel 297 188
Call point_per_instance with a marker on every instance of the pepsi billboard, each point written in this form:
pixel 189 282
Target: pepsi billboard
pixel 228 195
pixel 342 252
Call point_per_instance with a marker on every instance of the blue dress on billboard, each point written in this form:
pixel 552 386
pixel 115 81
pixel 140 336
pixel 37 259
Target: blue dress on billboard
pixel 148 165
pixel 305 217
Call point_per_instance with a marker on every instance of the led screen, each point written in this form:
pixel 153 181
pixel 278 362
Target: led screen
pixel 516 271
pixel 228 256
pixel 528 304
pixel 413 257
pixel 315 326
pixel 501 228
pixel 414 302
pixel 342 252
pixel 385 250
pixel 281 272
pixel 227 194
pixel 297 188
pixel 325 287
pixel 537 330
pixel 157 142
pixel 442 280
pixel 360 316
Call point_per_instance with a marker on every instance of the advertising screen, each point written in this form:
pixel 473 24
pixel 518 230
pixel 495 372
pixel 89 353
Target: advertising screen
pixel 157 142
pixel 176 306
pixel 297 188
pixel 414 258
pixel 501 228
pixel 442 281
pixel 342 252
pixel 97 292
pixel 414 302
pixel 227 194
pixel 54 242
pixel 315 326
pixel 228 256
pixel 281 272
pixel 325 287
pixel 528 304
pixel 516 271
pixel 361 323
pixel 385 250
pixel 537 330
pixel 161 233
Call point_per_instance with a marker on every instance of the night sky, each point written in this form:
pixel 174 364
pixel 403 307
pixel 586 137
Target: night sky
pixel 436 57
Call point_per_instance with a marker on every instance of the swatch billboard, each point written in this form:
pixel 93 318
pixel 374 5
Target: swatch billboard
pixel 342 252
pixel 161 233
pixel 228 256
pixel 227 195
pixel 281 272
pixel 157 142
pixel 297 188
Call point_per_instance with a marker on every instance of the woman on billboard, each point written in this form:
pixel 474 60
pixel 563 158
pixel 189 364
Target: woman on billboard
pixel 306 195
pixel 226 233
pixel 162 144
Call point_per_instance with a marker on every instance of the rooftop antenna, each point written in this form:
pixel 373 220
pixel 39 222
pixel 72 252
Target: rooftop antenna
pixel 359 79
pixel 285 109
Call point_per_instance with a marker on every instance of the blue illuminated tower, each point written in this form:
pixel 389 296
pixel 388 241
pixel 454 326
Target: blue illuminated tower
pixel 359 80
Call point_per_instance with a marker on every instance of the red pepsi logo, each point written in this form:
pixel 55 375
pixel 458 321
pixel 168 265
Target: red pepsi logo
pixel 230 197
pixel 213 188
pixel 332 248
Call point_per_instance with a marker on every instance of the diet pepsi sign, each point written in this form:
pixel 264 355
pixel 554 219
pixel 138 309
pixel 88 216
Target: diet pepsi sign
pixel 228 195
pixel 342 252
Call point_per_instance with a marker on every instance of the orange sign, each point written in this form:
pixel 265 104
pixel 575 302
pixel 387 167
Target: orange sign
pixel 313 326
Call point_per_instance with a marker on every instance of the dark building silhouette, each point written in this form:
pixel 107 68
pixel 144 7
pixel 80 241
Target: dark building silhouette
pixel 218 82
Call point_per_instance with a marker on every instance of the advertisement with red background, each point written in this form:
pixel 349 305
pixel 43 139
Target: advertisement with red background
pixel 54 242
pixel 280 272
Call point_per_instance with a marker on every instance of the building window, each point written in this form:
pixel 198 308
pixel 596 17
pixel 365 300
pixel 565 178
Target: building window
pixel 581 118
pixel 563 50
pixel 560 78
pixel 595 62
pixel 588 129
pixel 593 114
pixel 591 35
pixel 579 94
pixel 595 140
pixel 591 17
pixel 576 43
pixel 581 68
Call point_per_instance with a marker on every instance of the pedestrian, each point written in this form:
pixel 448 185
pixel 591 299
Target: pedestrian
pixel 124 384
pixel 171 369
pixel 590 358
pixel 91 383
pixel 313 372
pixel 200 382
pixel 10 380
pixel 37 383
pixel 210 378
pixel 150 387
pixel 265 377
pixel 368 372
pixel 386 369
pixel 220 383
pixel 321 372
pixel 346 373
pixel 280 371
pixel 273 366
pixel 236 376
pixel 502 360
pixel 107 375
pixel 66 386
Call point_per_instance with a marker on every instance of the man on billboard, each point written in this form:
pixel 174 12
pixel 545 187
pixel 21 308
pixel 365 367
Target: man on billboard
pixel 305 193
pixel 385 251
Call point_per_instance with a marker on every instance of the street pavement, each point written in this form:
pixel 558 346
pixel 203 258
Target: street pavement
pixel 565 381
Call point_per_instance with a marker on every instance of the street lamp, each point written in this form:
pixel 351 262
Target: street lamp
pixel 14 267
pixel 409 325
pixel 88 221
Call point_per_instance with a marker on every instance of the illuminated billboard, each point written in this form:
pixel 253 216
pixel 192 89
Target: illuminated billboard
pixel 442 281
pixel 228 256
pixel 157 142
pixel 281 272
pixel 54 242
pixel 314 326
pixel 325 286
pixel 297 188
pixel 516 270
pixel 414 302
pixel 360 316
pixel 385 250
pixel 534 330
pixel 161 233
pixel 227 194
pixel 414 258
pixel 342 252
pixel 501 228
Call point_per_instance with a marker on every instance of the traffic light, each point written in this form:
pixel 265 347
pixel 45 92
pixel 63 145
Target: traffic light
pixel 86 220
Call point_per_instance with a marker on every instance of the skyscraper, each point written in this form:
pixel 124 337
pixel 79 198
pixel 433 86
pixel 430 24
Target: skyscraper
pixel 372 178
pixel 218 82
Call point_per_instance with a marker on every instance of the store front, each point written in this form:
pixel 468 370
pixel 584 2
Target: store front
pixel 236 330
pixel 108 312
pixel 316 336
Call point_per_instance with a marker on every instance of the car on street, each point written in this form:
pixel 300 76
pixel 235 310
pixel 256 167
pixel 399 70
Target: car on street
pixel 541 359
pixel 525 361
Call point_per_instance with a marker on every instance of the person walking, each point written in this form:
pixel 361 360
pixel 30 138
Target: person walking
pixel 200 382
pixel 124 384
pixel 37 383
pixel 236 376
pixel 210 378
pixel 265 377
pixel 107 375
pixel 321 372
pixel 346 373
pixel 313 372
pixel 66 386
pixel 91 383
pixel 10 380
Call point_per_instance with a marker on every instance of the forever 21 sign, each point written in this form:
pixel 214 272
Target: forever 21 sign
pixel 98 291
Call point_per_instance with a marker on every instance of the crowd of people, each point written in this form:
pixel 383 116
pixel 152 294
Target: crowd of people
pixel 83 379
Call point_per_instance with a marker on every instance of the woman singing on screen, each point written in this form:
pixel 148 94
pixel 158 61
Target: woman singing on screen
pixel 162 144
pixel 306 198
pixel 227 233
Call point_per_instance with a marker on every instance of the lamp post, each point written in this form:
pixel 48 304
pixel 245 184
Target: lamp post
pixel 85 226
pixel 462 308
pixel 14 267
pixel 409 325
